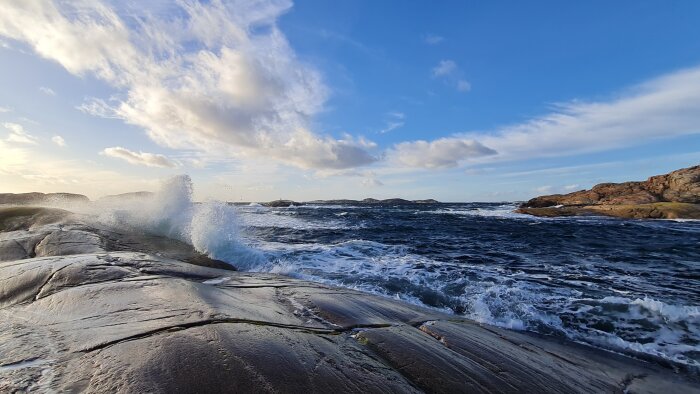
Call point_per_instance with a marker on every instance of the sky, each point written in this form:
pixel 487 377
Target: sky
pixel 264 99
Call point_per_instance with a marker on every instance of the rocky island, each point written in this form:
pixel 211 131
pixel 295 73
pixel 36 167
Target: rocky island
pixel 96 308
pixel 671 196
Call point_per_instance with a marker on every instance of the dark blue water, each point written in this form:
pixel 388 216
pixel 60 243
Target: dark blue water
pixel 626 285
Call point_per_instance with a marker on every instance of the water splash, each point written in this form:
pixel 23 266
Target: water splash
pixel 211 227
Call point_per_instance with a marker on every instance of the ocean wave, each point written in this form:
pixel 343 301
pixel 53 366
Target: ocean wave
pixel 514 300
pixel 501 211
pixel 280 220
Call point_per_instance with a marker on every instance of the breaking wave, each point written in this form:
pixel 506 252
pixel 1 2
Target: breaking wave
pixel 211 227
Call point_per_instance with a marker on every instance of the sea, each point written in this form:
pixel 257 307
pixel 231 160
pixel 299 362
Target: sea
pixel 627 286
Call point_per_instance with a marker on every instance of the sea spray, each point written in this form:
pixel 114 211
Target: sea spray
pixel 211 227
pixel 214 231
pixel 171 210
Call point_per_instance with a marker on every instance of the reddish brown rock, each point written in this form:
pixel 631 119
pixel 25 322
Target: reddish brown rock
pixel 678 186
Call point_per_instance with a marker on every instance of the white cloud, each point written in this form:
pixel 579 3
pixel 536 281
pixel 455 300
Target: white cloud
pixel 219 77
pixel 661 108
pixel 98 107
pixel 58 140
pixel 463 85
pixel 448 71
pixel 444 68
pixel 372 182
pixel 5 109
pixel 441 153
pixel 394 121
pixel 47 91
pixel 139 158
pixel 18 134
pixel 433 39
pixel 397 115
pixel 572 187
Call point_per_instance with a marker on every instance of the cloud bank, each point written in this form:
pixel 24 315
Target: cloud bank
pixel 661 108
pixel 441 153
pixel 664 107
pixel 216 76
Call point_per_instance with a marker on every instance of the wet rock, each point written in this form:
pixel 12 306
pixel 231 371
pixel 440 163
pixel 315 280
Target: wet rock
pixel 66 242
pixel 24 218
pixel 37 231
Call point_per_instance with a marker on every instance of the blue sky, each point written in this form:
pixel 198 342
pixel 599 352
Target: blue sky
pixel 258 99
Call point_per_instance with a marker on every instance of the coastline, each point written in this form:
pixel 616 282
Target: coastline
pixel 88 307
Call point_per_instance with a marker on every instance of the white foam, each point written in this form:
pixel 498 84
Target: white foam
pixel 212 227
pixel 501 211
pixel 284 219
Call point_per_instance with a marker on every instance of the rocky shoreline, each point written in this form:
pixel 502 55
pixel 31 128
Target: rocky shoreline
pixel 675 195
pixel 89 308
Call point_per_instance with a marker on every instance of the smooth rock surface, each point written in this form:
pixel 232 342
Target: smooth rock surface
pixel 120 320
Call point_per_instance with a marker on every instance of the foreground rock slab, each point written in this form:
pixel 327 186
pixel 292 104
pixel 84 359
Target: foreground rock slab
pixel 133 321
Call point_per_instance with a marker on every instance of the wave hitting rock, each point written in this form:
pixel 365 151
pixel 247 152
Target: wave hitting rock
pixel 95 309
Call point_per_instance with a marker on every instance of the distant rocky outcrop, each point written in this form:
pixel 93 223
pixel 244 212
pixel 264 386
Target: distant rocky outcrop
pixel 280 203
pixel 84 308
pixel 41 198
pixel 669 196
pixel 142 195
